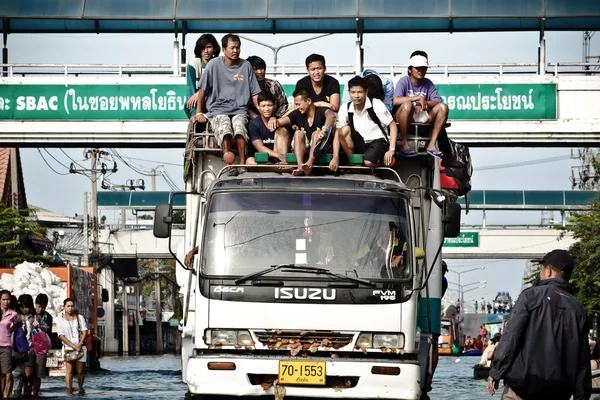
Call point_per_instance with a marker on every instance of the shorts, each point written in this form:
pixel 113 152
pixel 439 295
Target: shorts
pixel 5 359
pixel 40 365
pixel 233 125
pixel 306 139
pixel 372 151
pixel 30 358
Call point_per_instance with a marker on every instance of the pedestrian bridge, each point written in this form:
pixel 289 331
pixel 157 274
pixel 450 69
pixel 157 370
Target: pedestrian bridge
pixel 476 242
pixel 142 105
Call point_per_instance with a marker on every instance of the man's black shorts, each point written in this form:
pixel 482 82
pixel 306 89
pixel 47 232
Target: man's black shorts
pixel 372 151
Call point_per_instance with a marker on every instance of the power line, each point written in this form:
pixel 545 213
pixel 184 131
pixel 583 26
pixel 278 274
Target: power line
pixel 55 159
pixel 153 161
pixel 49 166
pixel 523 163
pixel 65 153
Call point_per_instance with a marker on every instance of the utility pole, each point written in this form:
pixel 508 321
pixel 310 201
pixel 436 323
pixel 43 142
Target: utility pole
pixel 153 172
pixel 125 321
pixel 14 177
pixel 137 315
pixel 95 241
pixel 157 296
pixel 86 239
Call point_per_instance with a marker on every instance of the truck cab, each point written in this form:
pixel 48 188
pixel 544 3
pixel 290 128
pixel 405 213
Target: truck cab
pixel 324 286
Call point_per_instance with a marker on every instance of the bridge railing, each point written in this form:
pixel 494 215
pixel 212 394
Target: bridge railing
pixel 292 70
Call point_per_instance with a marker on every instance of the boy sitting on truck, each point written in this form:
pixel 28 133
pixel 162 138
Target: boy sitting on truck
pixel 264 140
pixel 363 126
pixel 310 122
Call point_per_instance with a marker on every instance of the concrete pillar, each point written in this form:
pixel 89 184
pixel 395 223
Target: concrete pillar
pixel 110 345
pixel 176 64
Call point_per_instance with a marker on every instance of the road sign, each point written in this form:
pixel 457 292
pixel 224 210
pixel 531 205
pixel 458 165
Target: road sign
pixel 465 239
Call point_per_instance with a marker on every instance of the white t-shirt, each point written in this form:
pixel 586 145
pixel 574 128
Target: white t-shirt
pixel 363 123
pixel 72 331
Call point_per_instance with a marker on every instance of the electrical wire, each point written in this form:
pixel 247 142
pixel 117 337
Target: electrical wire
pixel 522 163
pixel 55 159
pixel 49 166
pixel 65 153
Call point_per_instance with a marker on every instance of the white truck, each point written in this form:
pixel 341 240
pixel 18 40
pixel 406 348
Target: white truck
pixel 326 286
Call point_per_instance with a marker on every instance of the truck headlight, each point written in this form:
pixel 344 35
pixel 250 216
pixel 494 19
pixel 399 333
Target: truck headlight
pixel 228 337
pixel 369 340
pixel 365 340
pixel 393 341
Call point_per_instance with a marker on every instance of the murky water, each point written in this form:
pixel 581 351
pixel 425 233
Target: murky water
pixel 453 380
pixel 144 377
pixel 158 377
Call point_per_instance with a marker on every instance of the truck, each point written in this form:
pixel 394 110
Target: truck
pixel 296 288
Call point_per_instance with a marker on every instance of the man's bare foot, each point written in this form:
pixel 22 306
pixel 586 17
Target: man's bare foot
pixel 297 172
pixel 307 168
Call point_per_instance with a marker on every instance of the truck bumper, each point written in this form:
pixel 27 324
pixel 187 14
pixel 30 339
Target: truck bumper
pixel 249 373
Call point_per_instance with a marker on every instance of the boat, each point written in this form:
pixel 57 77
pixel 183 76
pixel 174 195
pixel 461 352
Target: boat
pixel 481 371
pixel 472 352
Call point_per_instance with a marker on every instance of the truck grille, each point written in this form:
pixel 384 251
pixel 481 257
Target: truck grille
pixel 284 339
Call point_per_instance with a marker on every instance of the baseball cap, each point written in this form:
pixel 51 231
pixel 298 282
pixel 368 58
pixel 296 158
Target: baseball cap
pixel 559 259
pixel 418 61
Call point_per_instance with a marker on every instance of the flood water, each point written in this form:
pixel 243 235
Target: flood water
pixel 143 377
pixel 158 377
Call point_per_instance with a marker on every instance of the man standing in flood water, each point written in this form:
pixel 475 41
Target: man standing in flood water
pixel 544 352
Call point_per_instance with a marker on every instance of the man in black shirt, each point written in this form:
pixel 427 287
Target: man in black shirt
pixel 324 89
pixel 544 352
pixel 309 121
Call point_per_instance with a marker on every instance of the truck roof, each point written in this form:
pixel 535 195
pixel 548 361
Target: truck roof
pixel 353 181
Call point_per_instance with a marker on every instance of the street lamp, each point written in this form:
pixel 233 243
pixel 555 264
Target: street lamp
pixel 459 285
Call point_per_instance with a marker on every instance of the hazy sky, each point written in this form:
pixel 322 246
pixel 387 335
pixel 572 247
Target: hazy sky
pixel 64 193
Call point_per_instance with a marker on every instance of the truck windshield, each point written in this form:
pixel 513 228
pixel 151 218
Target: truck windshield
pixel 352 234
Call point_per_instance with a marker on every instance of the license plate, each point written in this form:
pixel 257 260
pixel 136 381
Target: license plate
pixel 302 372
pixel 52 362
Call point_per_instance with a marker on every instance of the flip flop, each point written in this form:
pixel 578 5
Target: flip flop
pixel 410 152
pixel 435 153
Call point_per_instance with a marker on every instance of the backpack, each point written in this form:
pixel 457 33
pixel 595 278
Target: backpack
pixel 374 118
pixel 462 176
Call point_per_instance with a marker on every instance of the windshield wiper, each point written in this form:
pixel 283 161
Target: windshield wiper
pixel 306 269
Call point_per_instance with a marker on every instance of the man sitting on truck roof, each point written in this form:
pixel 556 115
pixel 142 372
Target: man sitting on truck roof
pixel 311 122
pixel 415 93
pixel 264 140
pixel 227 85
pixel 324 89
pixel 363 126
pixel 270 85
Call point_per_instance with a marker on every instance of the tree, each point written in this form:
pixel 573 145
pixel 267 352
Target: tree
pixel 585 227
pixel 15 227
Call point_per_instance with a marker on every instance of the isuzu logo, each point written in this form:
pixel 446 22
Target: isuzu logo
pixel 228 289
pixel 304 294
pixel 385 294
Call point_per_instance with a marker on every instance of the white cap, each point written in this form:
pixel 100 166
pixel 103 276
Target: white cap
pixel 418 61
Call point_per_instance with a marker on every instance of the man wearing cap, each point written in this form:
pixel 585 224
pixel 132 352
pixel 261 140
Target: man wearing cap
pixel 415 93
pixel 544 351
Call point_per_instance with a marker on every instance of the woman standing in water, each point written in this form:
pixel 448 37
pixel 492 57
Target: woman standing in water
pixel 8 324
pixel 72 331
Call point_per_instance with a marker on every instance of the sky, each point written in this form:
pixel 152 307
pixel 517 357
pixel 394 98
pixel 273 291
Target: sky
pixel 62 192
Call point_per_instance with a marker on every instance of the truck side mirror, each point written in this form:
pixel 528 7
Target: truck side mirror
pixel 163 221
pixel 451 219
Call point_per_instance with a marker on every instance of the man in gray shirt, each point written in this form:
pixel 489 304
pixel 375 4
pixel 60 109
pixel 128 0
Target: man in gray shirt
pixel 226 85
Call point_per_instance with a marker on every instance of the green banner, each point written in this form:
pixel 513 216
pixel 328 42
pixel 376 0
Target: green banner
pixel 465 239
pixel 92 102
pixel 500 102
pixel 166 102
